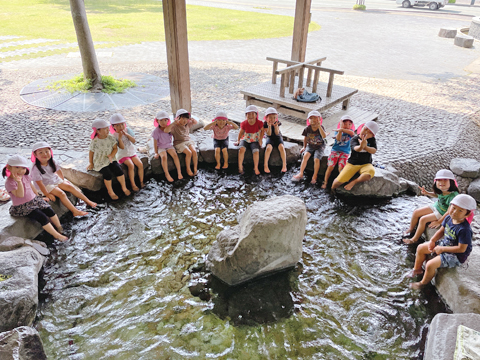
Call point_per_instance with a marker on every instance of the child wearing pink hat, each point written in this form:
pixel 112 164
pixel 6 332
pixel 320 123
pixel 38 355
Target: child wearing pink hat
pixel 271 128
pixel 103 149
pixel 221 127
pixel 126 154
pixel 362 147
pixel 25 199
pixel 451 244
pixel 49 179
pixel 445 189
pixel 162 144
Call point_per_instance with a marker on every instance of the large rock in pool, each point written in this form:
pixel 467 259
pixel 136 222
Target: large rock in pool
pixel 22 343
pixel 474 189
pixel 467 168
pixel 268 238
pixel 442 334
pixel 384 184
pixel 19 292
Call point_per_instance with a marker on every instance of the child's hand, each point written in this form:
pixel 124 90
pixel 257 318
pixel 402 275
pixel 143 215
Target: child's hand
pixel 110 158
pixel 434 224
pixel 423 191
pixel 46 198
pixel 431 246
pixel 17 177
pixel 302 150
pixel 156 156
pixel 90 167
pixel 50 196
pixel 438 250
pixel 236 143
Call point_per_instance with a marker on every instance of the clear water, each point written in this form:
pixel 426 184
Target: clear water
pixel 119 289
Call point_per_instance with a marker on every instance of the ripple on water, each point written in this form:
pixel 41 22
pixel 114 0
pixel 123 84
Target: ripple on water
pixel 120 287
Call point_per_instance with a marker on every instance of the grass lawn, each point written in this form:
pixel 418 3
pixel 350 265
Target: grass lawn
pixel 131 21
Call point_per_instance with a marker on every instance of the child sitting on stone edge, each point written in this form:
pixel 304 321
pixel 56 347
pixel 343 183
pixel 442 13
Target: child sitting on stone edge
pixel 455 246
pixel 250 136
pixel 363 146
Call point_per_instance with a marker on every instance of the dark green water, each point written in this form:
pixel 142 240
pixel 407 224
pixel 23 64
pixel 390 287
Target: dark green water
pixel 119 289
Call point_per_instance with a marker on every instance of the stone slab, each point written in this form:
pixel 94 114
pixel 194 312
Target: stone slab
pixel 474 189
pixel 442 334
pixel 449 33
pixel 22 343
pixel 467 168
pixel 465 41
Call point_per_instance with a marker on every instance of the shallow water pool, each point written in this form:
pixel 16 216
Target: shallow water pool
pixel 119 289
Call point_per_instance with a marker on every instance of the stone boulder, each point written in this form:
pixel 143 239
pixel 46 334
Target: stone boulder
pixel 19 292
pixel 75 170
pixel 268 238
pixel 156 164
pixel 447 32
pixel 384 184
pixel 467 168
pixel 462 40
pixel 463 183
pixel 442 334
pixel 474 189
pixel 22 343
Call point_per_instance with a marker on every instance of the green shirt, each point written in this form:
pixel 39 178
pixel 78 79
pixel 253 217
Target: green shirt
pixel 443 202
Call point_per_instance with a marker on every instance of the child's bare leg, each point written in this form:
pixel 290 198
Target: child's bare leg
pixel 306 156
pixel 131 173
pixel 56 222
pixel 72 190
pixel 268 151
pixel 422 224
pixel 360 179
pixel 51 230
pixel 417 214
pixel 176 161
pixel 256 159
pixel 217 158
pixel 138 163
pixel 241 155
pixel 121 180
pixel 327 176
pixel 65 201
pixel 225 158
pixel 194 159
pixel 283 155
pixel 188 159
pixel 163 157
pixel 108 185
pixel 430 268
pixel 316 169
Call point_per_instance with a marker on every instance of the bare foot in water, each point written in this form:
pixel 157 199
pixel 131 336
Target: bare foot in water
pixel 113 196
pixel 257 172
pixel 217 167
pixel 79 213
pixel 284 169
pixel 416 285
pixel 169 178
pixel 135 188
pixel 180 176
pixel 225 166
pixel 324 185
pixel 349 186
pixel 266 169
pixel 413 273
pixel 297 177
pixel 127 192
pixel 142 185
pixel 62 238
pixel 314 181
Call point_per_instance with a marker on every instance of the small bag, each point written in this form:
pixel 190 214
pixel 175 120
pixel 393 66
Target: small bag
pixel 308 97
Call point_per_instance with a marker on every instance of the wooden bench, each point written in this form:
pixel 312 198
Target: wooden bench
pixel 272 94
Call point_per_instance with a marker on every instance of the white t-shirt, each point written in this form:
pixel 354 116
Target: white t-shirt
pixel 49 178
pixel 129 149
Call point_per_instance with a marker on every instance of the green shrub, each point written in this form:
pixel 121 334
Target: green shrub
pixel 77 83
pixel 452 1
pixel 359 7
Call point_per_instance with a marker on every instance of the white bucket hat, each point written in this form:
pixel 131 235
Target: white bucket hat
pixel 99 124
pixel 40 145
pixel 465 202
pixel 251 108
pixel 271 110
pixel 347 117
pixel 221 114
pixel 18 160
pixel 313 113
pixel 372 126
pixel 444 174
pixel 181 112
pixel 117 119
pixel 162 115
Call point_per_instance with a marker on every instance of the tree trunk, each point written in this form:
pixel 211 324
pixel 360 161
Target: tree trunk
pixel 91 70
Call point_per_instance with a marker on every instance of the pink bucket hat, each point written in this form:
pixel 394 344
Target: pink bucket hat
pixel 98 124
pixel 40 145
pixel 221 115
pixel 161 115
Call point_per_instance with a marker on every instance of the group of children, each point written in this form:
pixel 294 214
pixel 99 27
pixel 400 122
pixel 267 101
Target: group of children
pixel 113 144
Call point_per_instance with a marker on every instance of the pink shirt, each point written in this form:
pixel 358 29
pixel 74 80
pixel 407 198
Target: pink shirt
pixel 11 185
pixel 221 134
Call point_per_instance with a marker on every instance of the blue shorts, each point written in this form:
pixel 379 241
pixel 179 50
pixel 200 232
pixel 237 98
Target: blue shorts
pixel 222 144
pixel 449 260
pixel 254 146
pixel 316 151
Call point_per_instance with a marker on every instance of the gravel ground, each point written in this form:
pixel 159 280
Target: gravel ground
pixel 423 124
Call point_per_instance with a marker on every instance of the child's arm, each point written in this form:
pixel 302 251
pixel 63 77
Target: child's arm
pixel 111 157
pixel 20 191
pixel 322 132
pixel 435 224
pixel 269 130
pixel 60 174
pixel 339 135
pixel 169 128
pixel 428 193
pixel 240 135
pixel 460 248
pixel 370 150
pixel 90 160
pixel 277 129
pixel 193 121
pixel 348 131
pixel 235 126
pixel 209 126
pixel 121 145
pixel 129 137
pixel 438 235
pixel 155 147
pixel 304 144
pixel 43 189
pixel 260 138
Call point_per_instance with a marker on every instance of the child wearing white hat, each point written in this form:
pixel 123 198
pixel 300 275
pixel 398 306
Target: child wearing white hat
pixel 313 145
pixel 126 154
pixel 452 243
pixel 102 151
pixel 445 189
pixel 162 144
pixel 25 199
pixel 180 129
pixel 362 146
pixel 221 127
pixel 271 128
pixel 250 136
pixel 49 179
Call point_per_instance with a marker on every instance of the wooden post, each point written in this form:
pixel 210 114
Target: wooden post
pixel 175 20
pixel 274 75
pixel 330 85
pixel 282 86
pixel 300 30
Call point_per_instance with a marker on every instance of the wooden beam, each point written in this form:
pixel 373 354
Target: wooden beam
pixel 300 30
pixel 175 20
